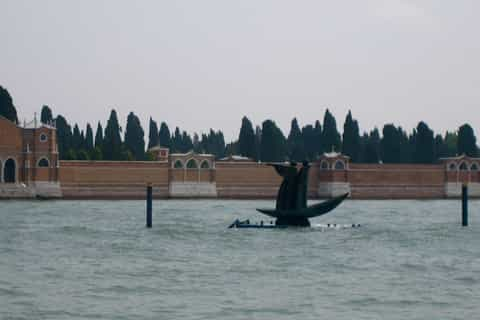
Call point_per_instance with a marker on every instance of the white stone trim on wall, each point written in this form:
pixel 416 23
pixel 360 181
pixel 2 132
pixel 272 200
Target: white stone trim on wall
pixel 332 189
pixel 454 189
pixel 192 190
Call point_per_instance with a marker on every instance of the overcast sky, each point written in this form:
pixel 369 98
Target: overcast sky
pixel 203 64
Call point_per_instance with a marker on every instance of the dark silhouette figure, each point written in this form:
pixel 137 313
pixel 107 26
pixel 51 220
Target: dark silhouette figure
pixel 291 207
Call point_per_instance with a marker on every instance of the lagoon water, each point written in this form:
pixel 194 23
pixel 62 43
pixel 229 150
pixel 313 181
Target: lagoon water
pixel 96 260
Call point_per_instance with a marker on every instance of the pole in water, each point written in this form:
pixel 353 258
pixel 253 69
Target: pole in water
pixel 149 205
pixel 464 205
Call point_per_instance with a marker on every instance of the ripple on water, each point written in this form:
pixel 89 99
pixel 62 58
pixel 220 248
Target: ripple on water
pixel 95 259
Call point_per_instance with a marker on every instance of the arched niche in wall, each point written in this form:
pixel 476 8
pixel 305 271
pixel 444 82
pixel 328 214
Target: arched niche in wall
pixel 205 165
pixel 452 166
pixel 463 166
pixel 324 165
pixel 192 164
pixel 178 164
pixel 10 171
pixel 43 163
pixel 339 165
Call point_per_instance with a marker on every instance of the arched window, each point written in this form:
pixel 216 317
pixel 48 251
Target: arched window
pixel 339 165
pixel 474 167
pixel 43 163
pixel 324 165
pixel 205 165
pixel 9 171
pixel 192 164
pixel 463 166
pixel 452 166
pixel 178 164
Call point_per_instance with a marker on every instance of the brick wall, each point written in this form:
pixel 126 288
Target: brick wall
pixel 113 179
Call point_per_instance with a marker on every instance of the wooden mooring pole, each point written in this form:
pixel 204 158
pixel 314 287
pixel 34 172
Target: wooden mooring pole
pixel 464 205
pixel 149 205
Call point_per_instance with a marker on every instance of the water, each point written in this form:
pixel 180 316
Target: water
pixel 96 260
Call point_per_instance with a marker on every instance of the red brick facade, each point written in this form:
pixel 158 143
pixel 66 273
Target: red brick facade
pixel 28 157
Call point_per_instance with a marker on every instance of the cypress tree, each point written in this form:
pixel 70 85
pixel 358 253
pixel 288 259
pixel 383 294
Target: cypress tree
pixel 451 141
pixel 330 136
pixel 197 147
pixel 186 142
pixel 112 146
pixel 76 139
pixel 318 138
pixel 467 142
pixel 390 145
pixel 64 136
pixel 153 139
pixel 351 138
pixel 165 139
pixel 273 144
pixel 89 138
pixel 258 142
pixel 46 115
pixel 372 147
pixel 296 148
pixel 99 136
pixel 177 141
pixel 134 137
pixel 424 144
pixel 309 142
pixel 246 139
pixel 7 109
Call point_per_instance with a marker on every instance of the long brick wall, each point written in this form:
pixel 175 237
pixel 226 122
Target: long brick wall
pixel 396 181
pixel 251 180
pixel 113 179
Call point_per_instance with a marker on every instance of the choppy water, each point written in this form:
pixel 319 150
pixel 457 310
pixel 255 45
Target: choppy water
pixel 96 260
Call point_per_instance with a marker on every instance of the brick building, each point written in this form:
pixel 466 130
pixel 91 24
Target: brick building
pixel 28 160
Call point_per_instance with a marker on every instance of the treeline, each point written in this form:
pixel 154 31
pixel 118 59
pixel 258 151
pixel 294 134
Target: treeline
pixel 107 144
pixel 264 143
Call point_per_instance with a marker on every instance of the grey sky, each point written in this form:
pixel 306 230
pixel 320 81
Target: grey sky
pixel 202 64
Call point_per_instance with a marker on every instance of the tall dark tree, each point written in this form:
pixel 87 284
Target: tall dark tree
pixel 112 146
pixel 77 139
pixel 441 149
pixel 164 136
pixel 99 136
pixel 7 109
pixel 176 144
pixel 351 138
pixel 46 115
pixel 295 146
pixel 273 144
pixel 330 136
pixel 371 152
pixel 186 142
pixel 64 136
pixel 258 142
pixel 153 134
pixel 424 144
pixel 197 146
pixel 318 132
pixel 246 139
pixel 390 145
pixel 134 137
pixel 309 142
pixel 89 138
pixel 451 142
pixel 467 142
